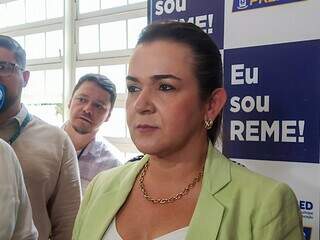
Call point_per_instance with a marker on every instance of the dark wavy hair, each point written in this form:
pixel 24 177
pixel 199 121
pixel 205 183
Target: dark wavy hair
pixel 207 58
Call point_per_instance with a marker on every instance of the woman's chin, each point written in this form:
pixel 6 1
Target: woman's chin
pixel 146 147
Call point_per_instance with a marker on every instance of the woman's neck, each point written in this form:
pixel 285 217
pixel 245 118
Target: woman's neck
pixel 187 161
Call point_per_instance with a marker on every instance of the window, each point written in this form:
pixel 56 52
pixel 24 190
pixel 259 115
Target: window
pixel 86 6
pixel 54 44
pixel 42 45
pixel 18 12
pixel 44 95
pixel 111 4
pixel 34 14
pixel 110 36
pixel 116 126
pixel 116 40
pixel 134 28
pixel 35 46
pixel 106 31
pixel 117 74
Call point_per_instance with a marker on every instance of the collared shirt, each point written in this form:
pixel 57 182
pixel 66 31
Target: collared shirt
pixel 97 156
pixel 50 168
pixel 16 214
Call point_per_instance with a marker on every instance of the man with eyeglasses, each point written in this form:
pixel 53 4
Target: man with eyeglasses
pixel 47 156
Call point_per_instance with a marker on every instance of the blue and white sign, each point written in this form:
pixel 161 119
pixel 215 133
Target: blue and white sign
pixel 208 15
pixel 273 106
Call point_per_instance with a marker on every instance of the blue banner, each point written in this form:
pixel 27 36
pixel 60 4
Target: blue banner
pixel 208 15
pixel 307 233
pixel 273 104
pixel 241 5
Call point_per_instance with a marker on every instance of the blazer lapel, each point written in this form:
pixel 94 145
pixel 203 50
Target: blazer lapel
pixel 208 215
pixel 109 203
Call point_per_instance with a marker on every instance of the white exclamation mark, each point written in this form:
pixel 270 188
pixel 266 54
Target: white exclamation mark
pixel 301 130
pixel 210 20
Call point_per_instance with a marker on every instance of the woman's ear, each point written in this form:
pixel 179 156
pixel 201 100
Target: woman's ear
pixel 215 103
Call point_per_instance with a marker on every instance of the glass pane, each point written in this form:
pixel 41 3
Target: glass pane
pixel 54 43
pixel 89 5
pixel 20 40
pixel 89 39
pixel 117 74
pixel 112 3
pixel 115 127
pixel 134 28
pixel 35 46
pixel 84 70
pixel 54 8
pixel 16 11
pixel 113 36
pixel 127 131
pixel 34 91
pixel 51 113
pixel 35 10
pixel 3 15
pixel 54 86
pixel 136 1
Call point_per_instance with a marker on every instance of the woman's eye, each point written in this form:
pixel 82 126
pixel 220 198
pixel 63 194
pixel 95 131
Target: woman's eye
pixel 166 87
pixel 81 99
pixel 132 89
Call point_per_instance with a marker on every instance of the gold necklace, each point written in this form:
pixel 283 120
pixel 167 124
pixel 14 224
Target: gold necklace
pixel 170 199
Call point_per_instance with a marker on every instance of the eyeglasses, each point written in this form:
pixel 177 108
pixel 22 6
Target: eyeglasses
pixel 8 68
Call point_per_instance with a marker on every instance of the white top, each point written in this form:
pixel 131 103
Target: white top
pixel 112 233
pixel 16 215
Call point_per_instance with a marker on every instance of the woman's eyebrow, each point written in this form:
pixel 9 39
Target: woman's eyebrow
pixel 164 76
pixel 156 77
pixel 131 78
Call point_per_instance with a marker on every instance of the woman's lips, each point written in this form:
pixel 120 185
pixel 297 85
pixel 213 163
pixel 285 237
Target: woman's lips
pixel 146 128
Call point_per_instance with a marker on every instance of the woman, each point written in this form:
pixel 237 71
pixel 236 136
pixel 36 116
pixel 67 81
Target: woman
pixel 182 188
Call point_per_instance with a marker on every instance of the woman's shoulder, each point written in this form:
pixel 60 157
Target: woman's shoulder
pixel 243 180
pixel 256 186
pixel 113 178
pixel 242 175
pixel 116 173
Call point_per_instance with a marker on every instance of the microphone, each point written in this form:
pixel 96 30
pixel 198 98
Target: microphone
pixel 2 96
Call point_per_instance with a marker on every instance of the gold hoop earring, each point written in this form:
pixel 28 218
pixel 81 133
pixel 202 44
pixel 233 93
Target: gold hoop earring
pixel 208 124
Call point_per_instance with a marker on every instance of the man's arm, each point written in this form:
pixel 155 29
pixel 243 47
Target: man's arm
pixel 16 214
pixel 25 229
pixel 64 203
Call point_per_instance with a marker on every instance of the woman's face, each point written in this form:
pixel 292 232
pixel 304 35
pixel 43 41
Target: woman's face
pixel 164 110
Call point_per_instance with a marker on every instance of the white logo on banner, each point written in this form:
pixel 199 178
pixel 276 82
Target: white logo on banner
pixel 242 4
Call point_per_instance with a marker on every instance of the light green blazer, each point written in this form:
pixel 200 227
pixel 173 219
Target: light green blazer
pixel 234 204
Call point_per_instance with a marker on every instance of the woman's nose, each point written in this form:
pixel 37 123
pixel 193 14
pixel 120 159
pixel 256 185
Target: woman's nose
pixel 144 102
